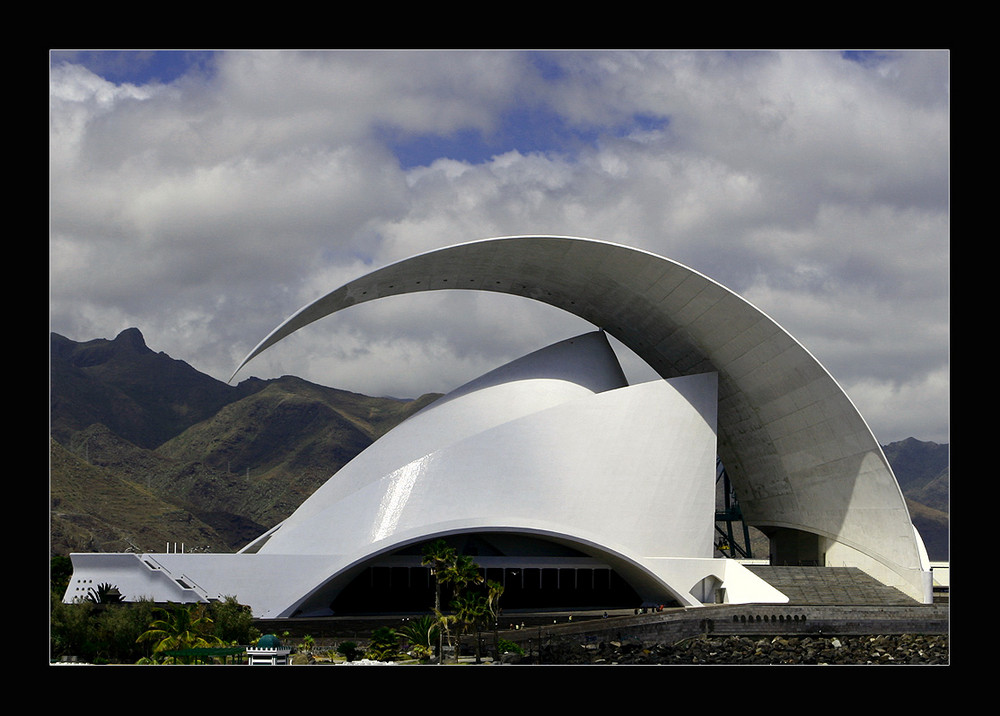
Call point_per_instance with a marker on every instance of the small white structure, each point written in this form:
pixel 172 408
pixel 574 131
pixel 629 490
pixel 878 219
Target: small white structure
pixel 268 651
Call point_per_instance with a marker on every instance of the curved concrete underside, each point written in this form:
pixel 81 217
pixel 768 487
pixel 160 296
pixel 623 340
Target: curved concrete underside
pixel 799 454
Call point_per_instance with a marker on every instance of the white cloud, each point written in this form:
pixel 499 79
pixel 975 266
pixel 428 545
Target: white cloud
pixel 906 409
pixel 207 210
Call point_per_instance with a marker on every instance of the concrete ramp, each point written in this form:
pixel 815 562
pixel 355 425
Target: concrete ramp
pixel 832 586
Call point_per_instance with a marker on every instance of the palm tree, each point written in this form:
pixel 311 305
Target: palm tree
pixel 105 594
pixel 181 627
pixel 437 555
pixel 470 610
pixel 494 590
pixel 449 567
pixel 460 572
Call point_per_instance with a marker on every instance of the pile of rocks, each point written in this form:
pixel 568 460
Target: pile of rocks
pixel 881 649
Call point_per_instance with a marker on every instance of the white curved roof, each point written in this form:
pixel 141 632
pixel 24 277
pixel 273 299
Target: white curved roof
pixel 574 369
pixel 555 445
pixel 799 453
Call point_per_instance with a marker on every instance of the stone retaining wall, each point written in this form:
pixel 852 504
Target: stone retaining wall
pixel 672 626
pixel 882 649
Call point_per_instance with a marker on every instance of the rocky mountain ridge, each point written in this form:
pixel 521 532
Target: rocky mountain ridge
pixel 147 452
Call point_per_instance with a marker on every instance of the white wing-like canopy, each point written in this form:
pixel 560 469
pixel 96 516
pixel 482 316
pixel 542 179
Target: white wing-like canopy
pixel 556 447
pixel 802 459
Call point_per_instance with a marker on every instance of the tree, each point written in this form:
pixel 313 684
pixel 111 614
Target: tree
pixel 72 632
pixel 494 590
pixel 459 571
pixel 105 594
pixel 470 610
pixel 233 622
pixel 118 626
pixel 180 627
pixel 60 572
pixel 99 633
pixel 437 555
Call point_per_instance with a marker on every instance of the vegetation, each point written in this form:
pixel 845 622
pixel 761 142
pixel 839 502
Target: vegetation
pixel 180 627
pixel 146 450
pixel 437 555
pixel 105 594
pixel 384 645
pixel 233 622
pixel 494 590
pixel 100 634
pixel 509 647
pixel 114 631
pixel 348 649
pixel 60 573
pixel 421 633
pixel 469 610
pixel 475 601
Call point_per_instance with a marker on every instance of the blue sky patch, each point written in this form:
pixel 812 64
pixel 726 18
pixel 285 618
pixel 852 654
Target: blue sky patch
pixel 526 130
pixel 136 67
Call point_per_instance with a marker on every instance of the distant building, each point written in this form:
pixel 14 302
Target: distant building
pixel 567 485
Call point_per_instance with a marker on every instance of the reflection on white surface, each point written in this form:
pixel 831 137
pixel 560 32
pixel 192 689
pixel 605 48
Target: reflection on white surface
pixel 396 495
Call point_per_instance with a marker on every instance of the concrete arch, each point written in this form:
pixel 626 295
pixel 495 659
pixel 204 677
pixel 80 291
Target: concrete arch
pixel 805 464
pixel 651 586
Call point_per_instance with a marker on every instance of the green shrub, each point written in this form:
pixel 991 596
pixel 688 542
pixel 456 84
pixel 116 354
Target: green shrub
pixel 99 634
pixel 60 572
pixel 384 645
pixel 422 633
pixel 71 631
pixel 509 647
pixel 348 650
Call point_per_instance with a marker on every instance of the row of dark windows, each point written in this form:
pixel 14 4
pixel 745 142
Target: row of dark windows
pixel 412 589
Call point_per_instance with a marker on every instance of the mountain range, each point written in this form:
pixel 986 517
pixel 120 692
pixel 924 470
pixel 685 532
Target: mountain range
pixel 148 454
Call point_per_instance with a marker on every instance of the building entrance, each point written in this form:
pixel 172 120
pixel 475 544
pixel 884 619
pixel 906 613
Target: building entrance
pixel 535 574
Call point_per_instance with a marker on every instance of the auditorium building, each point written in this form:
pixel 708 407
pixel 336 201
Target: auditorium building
pixel 565 483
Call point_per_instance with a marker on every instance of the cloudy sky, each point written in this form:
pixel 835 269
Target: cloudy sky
pixel 203 197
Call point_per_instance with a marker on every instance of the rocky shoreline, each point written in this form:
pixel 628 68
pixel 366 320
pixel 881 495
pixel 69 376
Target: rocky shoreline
pixel 898 649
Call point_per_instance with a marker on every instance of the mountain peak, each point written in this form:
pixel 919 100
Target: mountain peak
pixel 131 338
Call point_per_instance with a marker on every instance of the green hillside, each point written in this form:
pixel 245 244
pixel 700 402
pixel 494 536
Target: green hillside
pixel 228 462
